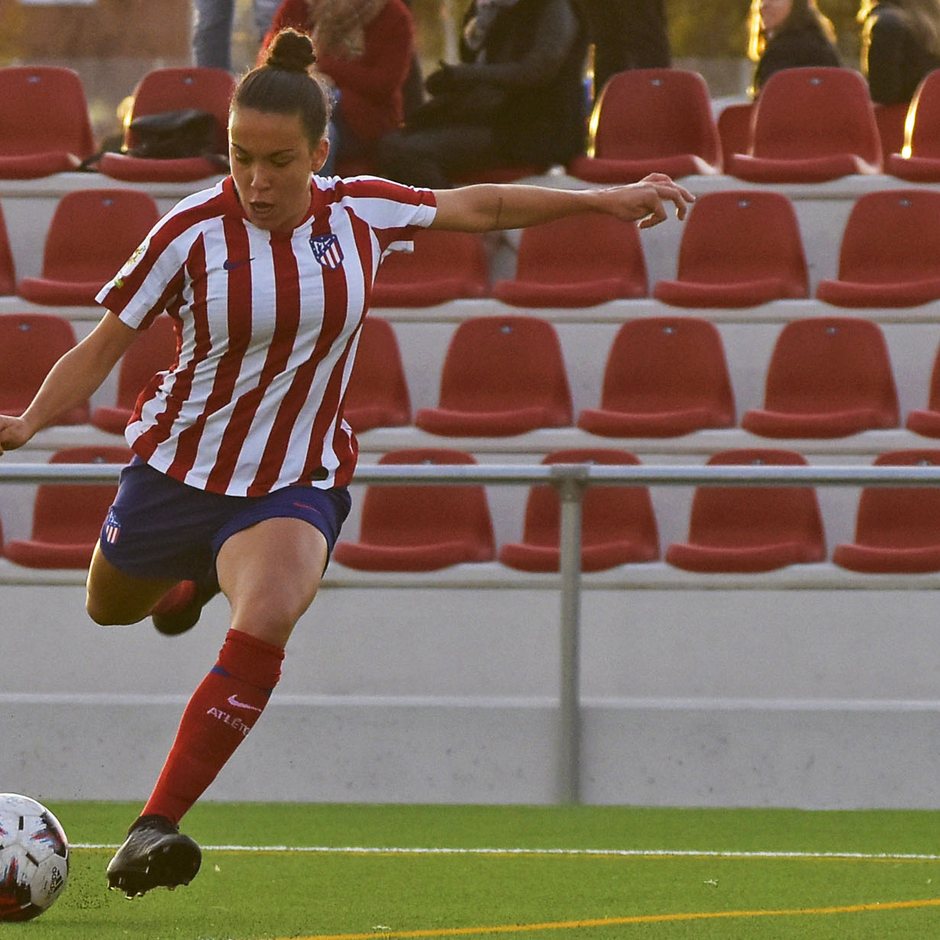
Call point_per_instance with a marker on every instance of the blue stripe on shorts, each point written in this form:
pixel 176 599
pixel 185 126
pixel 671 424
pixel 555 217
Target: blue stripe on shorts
pixel 159 527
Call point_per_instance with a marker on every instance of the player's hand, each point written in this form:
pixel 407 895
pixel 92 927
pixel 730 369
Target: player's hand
pixel 646 202
pixel 14 432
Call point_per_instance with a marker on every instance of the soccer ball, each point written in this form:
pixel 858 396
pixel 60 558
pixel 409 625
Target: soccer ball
pixel 34 858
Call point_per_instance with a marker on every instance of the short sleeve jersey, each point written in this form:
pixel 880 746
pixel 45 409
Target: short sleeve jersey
pixel 267 328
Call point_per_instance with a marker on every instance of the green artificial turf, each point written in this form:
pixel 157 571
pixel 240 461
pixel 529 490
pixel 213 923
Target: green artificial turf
pixel 274 893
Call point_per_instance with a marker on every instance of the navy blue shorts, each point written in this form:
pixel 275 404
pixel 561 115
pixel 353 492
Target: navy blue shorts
pixel 158 527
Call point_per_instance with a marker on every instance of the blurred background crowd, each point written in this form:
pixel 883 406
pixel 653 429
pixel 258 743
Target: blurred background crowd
pixel 111 43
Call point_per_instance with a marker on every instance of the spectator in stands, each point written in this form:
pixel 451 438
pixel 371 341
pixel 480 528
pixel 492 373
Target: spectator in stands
pixel 243 458
pixel 900 45
pixel 786 34
pixel 213 21
pixel 627 34
pixel 365 49
pixel 515 97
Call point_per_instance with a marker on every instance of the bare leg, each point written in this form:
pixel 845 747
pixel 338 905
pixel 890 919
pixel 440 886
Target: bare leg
pixel 117 598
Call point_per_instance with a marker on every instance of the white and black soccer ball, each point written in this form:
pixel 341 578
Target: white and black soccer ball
pixel 34 858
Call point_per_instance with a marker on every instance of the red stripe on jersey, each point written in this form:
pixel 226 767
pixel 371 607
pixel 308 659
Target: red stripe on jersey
pixel 335 303
pixel 182 387
pixel 344 445
pixel 148 442
pixel 287 323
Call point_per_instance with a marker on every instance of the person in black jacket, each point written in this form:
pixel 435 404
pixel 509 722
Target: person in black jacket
pixel 786 34
pixel 900 45
pixel 627 34
pixel 515 97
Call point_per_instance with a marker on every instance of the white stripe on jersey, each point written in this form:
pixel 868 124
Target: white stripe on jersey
pixel 268 333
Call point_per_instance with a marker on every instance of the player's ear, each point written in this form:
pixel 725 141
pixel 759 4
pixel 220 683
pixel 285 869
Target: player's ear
pixel 319 154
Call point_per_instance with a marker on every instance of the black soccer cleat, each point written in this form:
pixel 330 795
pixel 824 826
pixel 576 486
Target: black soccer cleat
pixel 180 608
pixel 154 855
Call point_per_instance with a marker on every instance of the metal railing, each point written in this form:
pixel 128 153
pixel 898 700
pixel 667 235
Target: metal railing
pixel 571 481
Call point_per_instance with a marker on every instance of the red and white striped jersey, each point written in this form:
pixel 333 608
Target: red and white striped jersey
pixel 267 325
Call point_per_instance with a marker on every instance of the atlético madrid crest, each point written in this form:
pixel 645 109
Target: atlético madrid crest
pixel 327 250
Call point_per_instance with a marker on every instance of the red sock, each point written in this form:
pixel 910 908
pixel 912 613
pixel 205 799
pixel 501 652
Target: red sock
pixel 219 715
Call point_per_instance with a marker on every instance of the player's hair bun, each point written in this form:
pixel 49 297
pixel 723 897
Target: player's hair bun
pixel 291 51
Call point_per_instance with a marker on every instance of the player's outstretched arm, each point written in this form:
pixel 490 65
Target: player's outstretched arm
pixel 71 380
pixel 490 207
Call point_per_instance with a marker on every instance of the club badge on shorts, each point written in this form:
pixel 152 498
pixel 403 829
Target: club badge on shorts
pixel 327 250
pixel 112 528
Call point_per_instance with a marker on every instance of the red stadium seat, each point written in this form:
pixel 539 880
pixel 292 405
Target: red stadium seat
pixel 750 529
pixel 734 129
pixel 890 251
pixel 650 121
pixel 926 421
pixel 67 517
pixel 46 127
pixel 578 261
pixel 811 125
pixel 377 395
pixel 175 89
pixel 7 270
pixel 30 345
pixel 738 249
pixel 828 377
pixel 421 528
pixel 897 528
pixel 154 350
pixel 919 157
pixel 664 377
pixel 443 266
pixel 501 376
pixel 92 234
pixel 891 120
pixel 617 522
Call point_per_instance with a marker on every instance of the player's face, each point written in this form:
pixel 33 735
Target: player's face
pixel 271 164
pixel 773 13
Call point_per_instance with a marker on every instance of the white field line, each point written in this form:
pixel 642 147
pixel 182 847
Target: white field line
pixel 600 853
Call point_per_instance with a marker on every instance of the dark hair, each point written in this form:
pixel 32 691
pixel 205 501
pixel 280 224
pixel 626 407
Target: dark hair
pixel 283 85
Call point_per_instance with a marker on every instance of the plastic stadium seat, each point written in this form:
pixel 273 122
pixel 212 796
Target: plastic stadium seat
pixel 501 376
pixel 734 129
pixel 664 377
pixel 443 266
pixel 92 234
pixel 738 249
pixel 154 350
pixel 175 89
pixel 927 421
pixel 578 261
pixel 617 522
pixel 67 517
pixel 828 377
pixel 650 121
pixel 7 269
pixel 919 159
pixel 421 528
pixel 377 395
pixel 811 125
pixel 751 528
pixel 30 345
pixel 45 123
pixel 890 120
pixel 897 528
pixel 890 251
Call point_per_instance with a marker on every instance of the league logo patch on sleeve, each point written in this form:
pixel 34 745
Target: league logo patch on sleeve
pixel 327 250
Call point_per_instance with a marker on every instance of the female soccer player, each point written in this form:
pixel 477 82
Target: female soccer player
pixel 242 458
